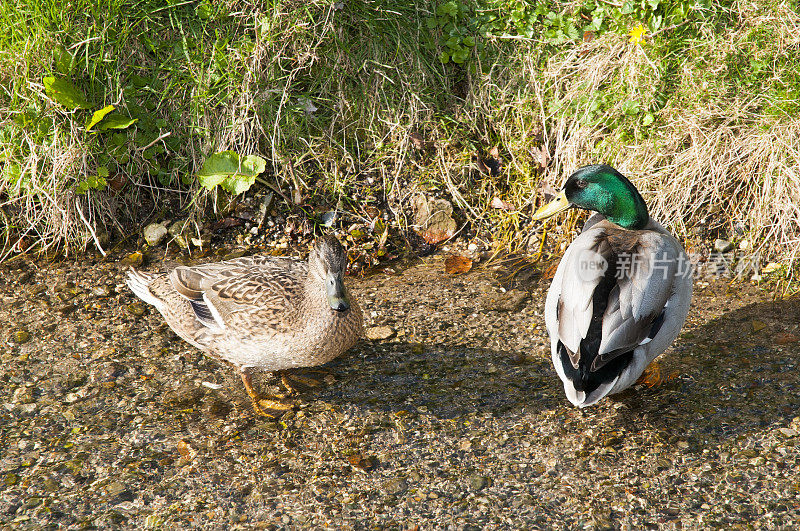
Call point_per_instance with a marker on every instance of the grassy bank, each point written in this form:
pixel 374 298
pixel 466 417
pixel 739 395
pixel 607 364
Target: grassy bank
pixel 365 104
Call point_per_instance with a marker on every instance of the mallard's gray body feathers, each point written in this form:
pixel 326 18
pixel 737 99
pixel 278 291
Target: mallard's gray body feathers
pixel 267 313
pixel 611 323
pixel 621 292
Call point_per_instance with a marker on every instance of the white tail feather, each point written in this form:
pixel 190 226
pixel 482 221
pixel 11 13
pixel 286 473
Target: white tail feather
pixel 138 282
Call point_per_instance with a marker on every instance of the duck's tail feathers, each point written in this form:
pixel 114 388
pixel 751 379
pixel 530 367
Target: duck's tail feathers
pixel 139 283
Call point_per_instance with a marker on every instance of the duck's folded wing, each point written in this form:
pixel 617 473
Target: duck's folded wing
pixel 231 296
pixel 637 303
pixel 584 265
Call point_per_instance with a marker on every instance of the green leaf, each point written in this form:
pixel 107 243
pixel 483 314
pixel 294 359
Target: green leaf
pixel 65 93
pixel 116 121
pixel 431 23
pixel 234 173
pixel 444 57
pixel 98 116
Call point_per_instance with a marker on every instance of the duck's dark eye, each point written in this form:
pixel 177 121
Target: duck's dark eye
pixel 580 183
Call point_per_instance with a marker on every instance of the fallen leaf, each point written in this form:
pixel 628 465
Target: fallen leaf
pixel 758 325
pixel 588 36
pixel 226 223
pixel 491 164
pixel 117 182
pixel 416 140
pixel 653 376
pixel 433 219
pixel 541 156
pixel 186 450
pixel 550 271
pixel 358 460
pixel 548 191
pixel 786 338
pixel 456 265
pixel 503 205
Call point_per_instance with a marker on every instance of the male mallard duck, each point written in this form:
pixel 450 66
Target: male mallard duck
pixel 621 292
pixel 260 312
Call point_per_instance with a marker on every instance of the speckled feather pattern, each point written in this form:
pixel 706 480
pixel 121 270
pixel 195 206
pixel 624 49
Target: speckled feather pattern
pixel 275 313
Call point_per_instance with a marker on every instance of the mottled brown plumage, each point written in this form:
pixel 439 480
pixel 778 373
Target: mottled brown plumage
pixel 258 312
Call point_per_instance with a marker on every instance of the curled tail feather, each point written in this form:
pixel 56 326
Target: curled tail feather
pixel 139 283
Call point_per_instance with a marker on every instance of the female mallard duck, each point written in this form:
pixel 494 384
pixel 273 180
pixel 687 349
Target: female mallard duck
pixel 621 292
pixel 260 312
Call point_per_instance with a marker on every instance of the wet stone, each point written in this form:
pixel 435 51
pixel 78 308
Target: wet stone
pixel 723 246
pixel 101 291
pixel 20 336
pixel 510 301
pixel 395 486
pixel 478 482
pixel 37 290
pixel 135 308
pixel 132 260
pixel 154 233
pixel 379 333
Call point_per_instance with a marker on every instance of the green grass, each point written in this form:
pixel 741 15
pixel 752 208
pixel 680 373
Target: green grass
pixel 702 114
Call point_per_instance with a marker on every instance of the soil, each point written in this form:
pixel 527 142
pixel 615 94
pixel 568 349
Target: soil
pixel 456 419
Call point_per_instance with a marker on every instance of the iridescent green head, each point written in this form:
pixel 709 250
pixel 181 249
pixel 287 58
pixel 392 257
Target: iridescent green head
pixel 601 188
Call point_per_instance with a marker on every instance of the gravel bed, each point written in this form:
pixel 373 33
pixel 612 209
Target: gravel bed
pixel 453 418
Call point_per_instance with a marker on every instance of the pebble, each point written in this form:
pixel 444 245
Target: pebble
pixel 478 482
pixel 132 260
pixel 21 336
pixel 379 333
pixel 511 301
pixel 101 291
pixel 176 231
pixel 787 432
pixel 154 233
pixel 395 486
pixel 135 308
pixel 723 246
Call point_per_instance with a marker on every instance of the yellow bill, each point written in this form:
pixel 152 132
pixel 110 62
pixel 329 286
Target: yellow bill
pixel 559 204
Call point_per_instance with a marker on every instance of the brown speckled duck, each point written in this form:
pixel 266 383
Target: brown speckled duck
pixel 258 312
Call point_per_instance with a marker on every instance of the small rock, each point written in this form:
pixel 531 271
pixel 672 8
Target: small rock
pixel 744 245
pixel 135 309
pixel 723 246
pixel 176 230
pixel 787 432
pixel 478 482
pixel 510 301
pixel 379 333
pixel 132 260
pixel 154 233
pixel 395 486
pixel 101 291
pixel 20 336
pixel 38 289
pixel 23 395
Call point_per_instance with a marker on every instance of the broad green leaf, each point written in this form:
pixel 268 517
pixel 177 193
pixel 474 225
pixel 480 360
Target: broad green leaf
pixel 65 93
pixel 116 121
pixel 99 115
pixel 235 174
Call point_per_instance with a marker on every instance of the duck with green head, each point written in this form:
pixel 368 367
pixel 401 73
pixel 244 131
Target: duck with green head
pixel 621 292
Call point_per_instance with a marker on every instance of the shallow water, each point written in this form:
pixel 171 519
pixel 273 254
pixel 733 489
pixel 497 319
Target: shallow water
pixel 457 419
